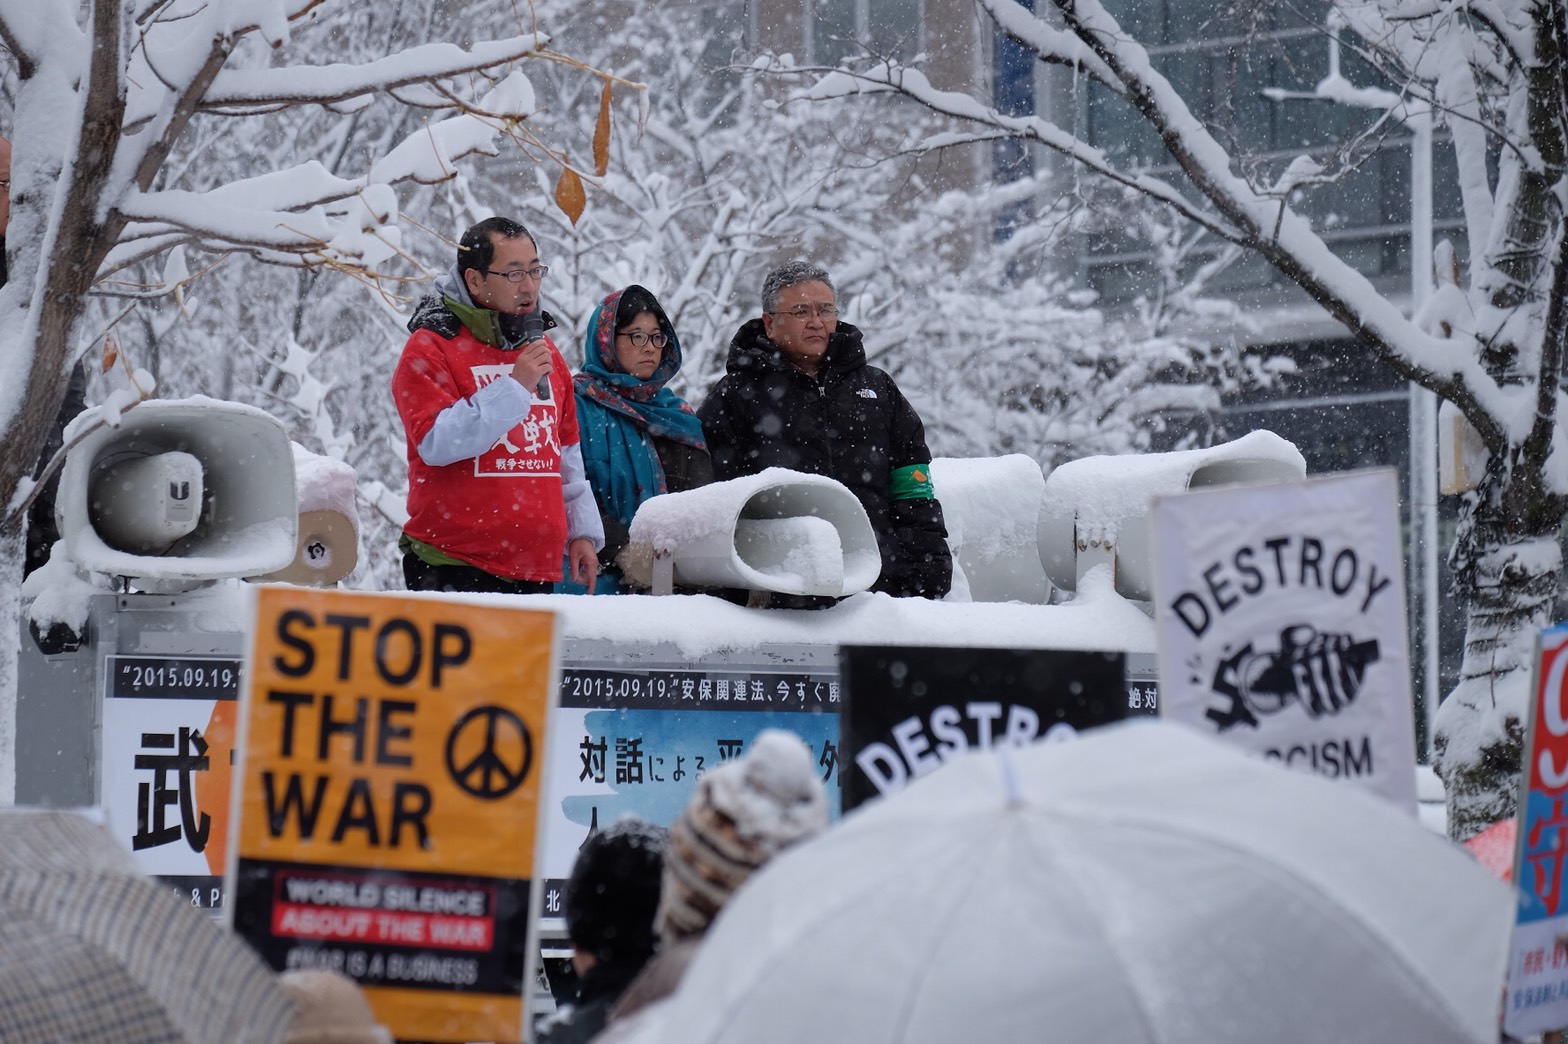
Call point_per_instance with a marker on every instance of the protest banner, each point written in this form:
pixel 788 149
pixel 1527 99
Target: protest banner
pixel 387 801
pixel 1280 613
pixel 633 732
pixel 1537 995
pixel 167 742
pixel 906 710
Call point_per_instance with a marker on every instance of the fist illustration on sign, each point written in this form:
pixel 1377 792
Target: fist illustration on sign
pixel 1323 672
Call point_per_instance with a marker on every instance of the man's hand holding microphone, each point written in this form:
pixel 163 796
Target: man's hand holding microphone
pixel 532 368
pixel 532 371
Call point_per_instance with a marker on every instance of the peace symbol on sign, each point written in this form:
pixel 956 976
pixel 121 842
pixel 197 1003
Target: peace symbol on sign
pixel 488 774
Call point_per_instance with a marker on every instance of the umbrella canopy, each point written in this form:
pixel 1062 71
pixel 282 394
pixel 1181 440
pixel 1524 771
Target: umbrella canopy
pixel 1141 884
pixel 93 950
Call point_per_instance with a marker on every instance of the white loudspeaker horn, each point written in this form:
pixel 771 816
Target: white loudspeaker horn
pixel 328 544
pixel 778 531
pixel 992 509
pixel 1096 510
pixel 180 490
pixel 145 503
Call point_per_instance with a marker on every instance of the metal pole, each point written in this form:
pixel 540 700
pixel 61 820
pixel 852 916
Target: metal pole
pixel 1423 430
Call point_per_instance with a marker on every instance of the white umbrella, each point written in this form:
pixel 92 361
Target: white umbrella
pixel 1141 884
pixel 92 950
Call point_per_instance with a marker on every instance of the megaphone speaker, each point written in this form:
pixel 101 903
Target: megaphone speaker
pixel 778 530
pixel 1096 509
pixel 992 508
pixel 145 503
pixel 327 551
pixel 328 547
pixel 190 489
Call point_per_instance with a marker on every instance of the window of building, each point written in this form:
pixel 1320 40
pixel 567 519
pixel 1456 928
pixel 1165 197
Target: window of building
pixel 1221 60
pixel 1012 92
pixel 840 29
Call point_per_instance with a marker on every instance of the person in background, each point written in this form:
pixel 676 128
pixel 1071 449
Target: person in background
pixel 496 490
pixel 611 898
pixel 742 814
pixel 797 393
pixel 330 1009
pixel 639 438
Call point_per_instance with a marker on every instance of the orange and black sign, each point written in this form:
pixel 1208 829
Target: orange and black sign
pixel 388 800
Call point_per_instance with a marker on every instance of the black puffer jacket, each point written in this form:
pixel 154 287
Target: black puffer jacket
pixel 851 423
pixel 583 1020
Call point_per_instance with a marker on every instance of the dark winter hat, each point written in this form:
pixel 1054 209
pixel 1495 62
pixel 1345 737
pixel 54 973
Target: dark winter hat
pixel 742 814
pixel 613 893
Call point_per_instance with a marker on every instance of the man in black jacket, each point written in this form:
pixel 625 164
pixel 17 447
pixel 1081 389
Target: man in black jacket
pixel 799 394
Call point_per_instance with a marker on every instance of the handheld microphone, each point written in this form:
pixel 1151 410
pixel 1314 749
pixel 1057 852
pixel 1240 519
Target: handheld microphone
pixel 533 330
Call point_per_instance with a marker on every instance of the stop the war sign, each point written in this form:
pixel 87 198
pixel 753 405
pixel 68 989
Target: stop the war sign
pixel 388 799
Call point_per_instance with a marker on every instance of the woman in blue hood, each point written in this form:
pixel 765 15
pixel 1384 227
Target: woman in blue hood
pixel 639 439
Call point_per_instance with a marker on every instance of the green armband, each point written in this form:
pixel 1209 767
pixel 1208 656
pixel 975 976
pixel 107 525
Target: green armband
pixel 912 483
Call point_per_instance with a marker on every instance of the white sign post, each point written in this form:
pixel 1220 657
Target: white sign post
pixel 1281 618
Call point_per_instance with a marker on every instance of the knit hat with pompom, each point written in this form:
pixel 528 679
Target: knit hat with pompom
pixel 741 815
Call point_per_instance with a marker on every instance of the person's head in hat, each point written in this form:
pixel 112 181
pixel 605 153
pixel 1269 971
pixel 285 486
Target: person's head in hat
pixel 741 815
pixel 330 1009
pixel 613 894
pixel 611 898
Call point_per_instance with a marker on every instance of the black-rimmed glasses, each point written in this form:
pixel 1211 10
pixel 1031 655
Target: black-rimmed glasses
pixel 642 340
pixel 535 273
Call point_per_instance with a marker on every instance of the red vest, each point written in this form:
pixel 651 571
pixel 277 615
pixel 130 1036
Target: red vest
pixel 501 511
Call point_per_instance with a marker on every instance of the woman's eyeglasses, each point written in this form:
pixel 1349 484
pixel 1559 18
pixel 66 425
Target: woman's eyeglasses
pixel 642 340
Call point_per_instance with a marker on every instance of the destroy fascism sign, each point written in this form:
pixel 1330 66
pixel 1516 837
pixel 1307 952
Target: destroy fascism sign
pixel 388 799
pixel 1280 611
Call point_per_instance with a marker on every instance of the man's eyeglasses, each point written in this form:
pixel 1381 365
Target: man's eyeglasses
pixel 826 312
pixel 535 273
pixel 642 340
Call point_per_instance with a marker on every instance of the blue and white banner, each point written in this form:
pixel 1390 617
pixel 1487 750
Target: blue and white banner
pixel 632 739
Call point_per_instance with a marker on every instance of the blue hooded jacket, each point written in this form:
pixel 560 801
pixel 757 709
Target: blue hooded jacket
pixel 621 421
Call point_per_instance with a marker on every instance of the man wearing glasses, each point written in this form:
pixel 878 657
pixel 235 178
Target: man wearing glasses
pixel 496 487
pixel 799 394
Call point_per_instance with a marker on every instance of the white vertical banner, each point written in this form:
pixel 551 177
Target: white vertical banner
pixel 1280 611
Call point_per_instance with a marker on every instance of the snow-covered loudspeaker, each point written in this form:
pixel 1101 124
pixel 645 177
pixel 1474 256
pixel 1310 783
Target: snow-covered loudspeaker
pixel 1096 509
pixel 775 531
pixel 328 545
pixel 183 490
